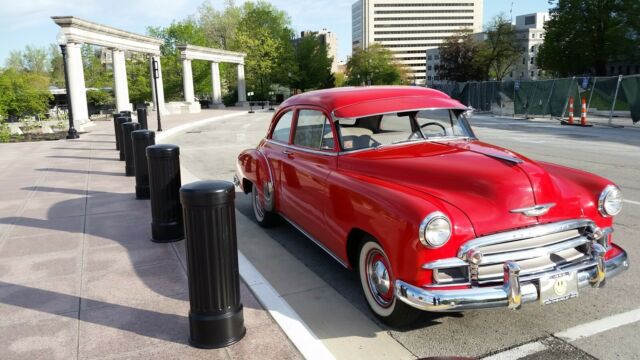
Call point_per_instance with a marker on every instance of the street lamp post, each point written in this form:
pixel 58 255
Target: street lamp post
pixel 156 75
pixel 71 133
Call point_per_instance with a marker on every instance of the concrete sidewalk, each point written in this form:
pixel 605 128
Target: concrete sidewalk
pixel 79 276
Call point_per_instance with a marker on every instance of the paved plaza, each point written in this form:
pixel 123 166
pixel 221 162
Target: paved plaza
pixel 79 275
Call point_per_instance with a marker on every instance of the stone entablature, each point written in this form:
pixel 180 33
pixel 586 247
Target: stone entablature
pixel 192 52
pixel 81 31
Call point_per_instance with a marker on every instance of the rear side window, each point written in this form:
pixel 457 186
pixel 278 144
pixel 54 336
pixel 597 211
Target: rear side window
pixel 283 128
pixel 313 130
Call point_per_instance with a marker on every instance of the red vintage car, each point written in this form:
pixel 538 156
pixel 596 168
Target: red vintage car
pixel 392 182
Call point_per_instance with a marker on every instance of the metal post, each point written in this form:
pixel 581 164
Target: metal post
pixel 141 140
pixel 142 118
pixel 127 129
pixel 71 133
pixel 115 129
pixel 164 188
pixel 615 98
pixel 119 139
pixel 593 88
pixel 156 76
pixel 216 314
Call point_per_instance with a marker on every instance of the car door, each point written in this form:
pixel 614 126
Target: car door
pixel 275 145
pixel 305 168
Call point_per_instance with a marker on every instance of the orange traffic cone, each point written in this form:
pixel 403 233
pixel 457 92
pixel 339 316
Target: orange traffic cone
pixel 570 111
pixel 583 115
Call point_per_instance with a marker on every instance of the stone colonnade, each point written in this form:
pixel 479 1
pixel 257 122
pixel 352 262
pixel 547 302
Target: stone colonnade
pixel 215 57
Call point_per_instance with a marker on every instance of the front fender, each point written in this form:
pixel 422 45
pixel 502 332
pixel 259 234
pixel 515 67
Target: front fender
pixel 253 167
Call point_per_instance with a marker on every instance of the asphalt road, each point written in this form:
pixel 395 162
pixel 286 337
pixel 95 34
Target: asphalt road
pixel 210 152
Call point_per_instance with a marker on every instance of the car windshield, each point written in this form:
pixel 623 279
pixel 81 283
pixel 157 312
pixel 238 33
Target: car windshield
pixel 396 128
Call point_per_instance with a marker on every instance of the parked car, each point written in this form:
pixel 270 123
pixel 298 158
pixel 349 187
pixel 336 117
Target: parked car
pixel 392 182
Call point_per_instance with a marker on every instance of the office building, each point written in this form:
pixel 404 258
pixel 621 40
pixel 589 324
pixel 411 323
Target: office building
pixel 410 27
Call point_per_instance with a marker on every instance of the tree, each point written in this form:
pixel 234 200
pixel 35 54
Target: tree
pixel 139 78
pixel 313 64
pixel 458 59
pixel 582 36
pixel 23 93
pixel 32 59
pixel 374 66
pixel 56 66
pixel 220 26
pixel 187 31
pixel 500 49
pixel 264 34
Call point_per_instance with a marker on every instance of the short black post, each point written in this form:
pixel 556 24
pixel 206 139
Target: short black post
pixel 115 128
pixel 119 121
pixel 126 113
pixel 215 317
pixel 127 129
pixel 141 140
pixel 164 188
pixel 142 117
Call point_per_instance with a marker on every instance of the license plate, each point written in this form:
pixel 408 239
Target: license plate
pixel 558 287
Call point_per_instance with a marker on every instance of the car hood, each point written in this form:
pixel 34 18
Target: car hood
pixel 486 182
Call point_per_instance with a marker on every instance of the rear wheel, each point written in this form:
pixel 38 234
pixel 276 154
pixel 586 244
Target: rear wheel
pixel 377 283
pixel 263 217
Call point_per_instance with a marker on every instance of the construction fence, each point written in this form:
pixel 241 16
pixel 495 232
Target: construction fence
pixel 606 97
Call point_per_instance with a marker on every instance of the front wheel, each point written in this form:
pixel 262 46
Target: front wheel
pixel 377 283
pixel 263 217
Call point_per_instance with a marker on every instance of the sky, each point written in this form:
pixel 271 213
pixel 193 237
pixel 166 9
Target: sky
pixel 28 22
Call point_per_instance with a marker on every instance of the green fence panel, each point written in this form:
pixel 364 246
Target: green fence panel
pixel 630 93
pixel 560 96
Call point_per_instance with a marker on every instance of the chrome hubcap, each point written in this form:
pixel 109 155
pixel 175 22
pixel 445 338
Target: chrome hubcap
pixel 379 278
pixel 257 207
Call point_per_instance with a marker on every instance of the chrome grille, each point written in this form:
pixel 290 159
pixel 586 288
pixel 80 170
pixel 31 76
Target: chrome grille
pixel 535 250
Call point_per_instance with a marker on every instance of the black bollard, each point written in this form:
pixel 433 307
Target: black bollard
pixel 127 129
pixel 141 140
pixel 164 189
pixel 119 121
pixel 126 113
pixel 215 317
pixel 115 128
pixel 142 118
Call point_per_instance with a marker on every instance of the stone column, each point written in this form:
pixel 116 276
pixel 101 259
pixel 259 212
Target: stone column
pixel 77 90
pixel 160 106
pixel 187 81
pixel 242 87
pixel 216 94
pixel 120 84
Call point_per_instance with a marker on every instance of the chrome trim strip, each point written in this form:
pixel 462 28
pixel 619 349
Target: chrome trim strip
pixel 317 242
pixel 495 296
pixel 445 263
pixel 298 148
pixel 535 252
pixel 534 231
pixel 512 159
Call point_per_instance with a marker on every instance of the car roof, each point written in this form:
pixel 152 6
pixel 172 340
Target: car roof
pixel 358 101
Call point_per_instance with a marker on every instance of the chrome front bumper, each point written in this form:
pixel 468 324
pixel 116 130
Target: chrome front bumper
pixel 511 294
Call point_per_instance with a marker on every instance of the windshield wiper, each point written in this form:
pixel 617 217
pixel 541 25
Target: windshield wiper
pixel 399 142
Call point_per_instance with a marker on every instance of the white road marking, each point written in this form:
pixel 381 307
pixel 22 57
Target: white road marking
pixel 598 326
pixel 289 321
pixel 518 352
pixel 632 202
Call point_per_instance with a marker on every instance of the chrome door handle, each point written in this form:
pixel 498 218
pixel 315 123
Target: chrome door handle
pixel 287 152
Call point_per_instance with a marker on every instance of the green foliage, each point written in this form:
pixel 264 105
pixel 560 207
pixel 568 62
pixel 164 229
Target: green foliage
pixel 374 66
pixel 23 93
pixel 458 55
pixel 56 67
pixel 32 59
pixel 139 78
pixel 313 65
pixel 340 79
pixel 183 32
pixel 99 97
pixel 5 132
pixel 582 36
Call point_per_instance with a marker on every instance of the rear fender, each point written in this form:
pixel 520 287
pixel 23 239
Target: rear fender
pixel 254 166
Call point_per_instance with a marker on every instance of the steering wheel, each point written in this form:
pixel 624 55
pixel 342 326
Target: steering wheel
pixel 444 130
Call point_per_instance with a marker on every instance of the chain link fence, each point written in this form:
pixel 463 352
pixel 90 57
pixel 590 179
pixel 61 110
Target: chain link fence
pixel 614 100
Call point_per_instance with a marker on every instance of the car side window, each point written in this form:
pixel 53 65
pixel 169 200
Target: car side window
pixel 283 128
pixel 313 130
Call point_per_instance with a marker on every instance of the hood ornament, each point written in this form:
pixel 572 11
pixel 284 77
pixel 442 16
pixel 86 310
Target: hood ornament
pixel 536 210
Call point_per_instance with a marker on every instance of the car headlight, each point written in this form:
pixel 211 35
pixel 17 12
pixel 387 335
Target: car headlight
pixel 610 201
pixel 435 230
